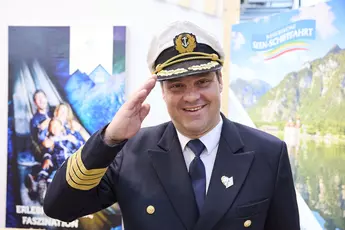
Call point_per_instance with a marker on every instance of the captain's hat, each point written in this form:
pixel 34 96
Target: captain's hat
pixel 184 49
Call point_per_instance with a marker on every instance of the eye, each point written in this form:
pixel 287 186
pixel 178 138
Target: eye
pixel 176 86
pixel 203 82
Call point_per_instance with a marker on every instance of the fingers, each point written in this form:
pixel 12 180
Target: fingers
pixel 150 84
pixel 144 111
pixel 137 99
pixel 140 96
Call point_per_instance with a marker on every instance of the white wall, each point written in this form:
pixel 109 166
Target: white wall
pixel 141 17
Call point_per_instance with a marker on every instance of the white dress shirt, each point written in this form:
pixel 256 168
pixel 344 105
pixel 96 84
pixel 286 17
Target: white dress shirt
pixel 208 156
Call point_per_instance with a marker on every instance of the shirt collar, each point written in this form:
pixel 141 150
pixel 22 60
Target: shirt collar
pixel 210 139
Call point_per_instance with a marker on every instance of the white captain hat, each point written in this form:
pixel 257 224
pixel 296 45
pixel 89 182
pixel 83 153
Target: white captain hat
pixel 184 49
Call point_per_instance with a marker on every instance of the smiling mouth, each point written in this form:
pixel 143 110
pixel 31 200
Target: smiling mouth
pixel 194 109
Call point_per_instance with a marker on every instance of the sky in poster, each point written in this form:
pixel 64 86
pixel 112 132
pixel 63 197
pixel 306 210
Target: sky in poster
pixel 248 64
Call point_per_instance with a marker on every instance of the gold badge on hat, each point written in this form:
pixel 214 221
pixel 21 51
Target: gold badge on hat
pixel 185 42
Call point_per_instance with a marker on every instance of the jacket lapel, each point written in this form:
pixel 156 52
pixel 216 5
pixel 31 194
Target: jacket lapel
pixel 228 163
pixel 170 166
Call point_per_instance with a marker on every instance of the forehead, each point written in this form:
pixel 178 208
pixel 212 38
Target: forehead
pixel 39 94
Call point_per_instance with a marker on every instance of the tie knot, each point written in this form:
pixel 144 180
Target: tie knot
pixel 196 146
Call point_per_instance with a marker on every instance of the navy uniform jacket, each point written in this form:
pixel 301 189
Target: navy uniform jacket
pixel 148 177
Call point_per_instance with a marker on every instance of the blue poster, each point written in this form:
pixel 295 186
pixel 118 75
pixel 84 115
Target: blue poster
pixel 65 83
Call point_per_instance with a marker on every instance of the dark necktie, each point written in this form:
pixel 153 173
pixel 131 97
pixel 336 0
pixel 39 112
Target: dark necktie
pixel 197 172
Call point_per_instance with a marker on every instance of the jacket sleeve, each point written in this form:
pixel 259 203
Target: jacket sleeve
pixel 85 182
pixel 283 213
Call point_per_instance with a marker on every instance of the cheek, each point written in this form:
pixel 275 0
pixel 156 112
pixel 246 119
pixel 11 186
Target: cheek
pixel 214 99
pixel 208 95
pixel 172 102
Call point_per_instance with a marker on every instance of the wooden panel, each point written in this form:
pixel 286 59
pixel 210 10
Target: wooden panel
pixel 210 6
pixel 231 15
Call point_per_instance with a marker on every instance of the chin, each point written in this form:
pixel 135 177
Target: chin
pixel 195 127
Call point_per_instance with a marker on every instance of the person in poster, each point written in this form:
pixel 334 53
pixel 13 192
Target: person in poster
pixel 55 75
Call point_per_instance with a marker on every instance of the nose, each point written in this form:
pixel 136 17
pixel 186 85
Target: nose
pixel 191 95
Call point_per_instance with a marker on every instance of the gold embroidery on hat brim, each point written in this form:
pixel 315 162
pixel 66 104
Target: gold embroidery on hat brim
pixel 209 65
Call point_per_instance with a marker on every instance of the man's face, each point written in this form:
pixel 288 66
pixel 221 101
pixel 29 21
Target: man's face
pixel 41 101
pixel 193 102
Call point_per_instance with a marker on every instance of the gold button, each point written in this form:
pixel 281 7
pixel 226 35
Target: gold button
pixel 150 209
pixel 247 223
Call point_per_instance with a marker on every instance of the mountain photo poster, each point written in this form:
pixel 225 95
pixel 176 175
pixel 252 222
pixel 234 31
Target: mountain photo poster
pixel 65 83
pixel 287 72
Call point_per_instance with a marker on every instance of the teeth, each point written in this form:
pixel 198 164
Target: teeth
pixel 194 109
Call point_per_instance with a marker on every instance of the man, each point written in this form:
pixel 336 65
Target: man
pixel 38 130
pixel 40 120
pixel 200 171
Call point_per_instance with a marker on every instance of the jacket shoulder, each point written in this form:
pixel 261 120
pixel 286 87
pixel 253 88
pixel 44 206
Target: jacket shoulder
pixel 147 136
pixel 269 149
pixel 257 133
pixel 259 140
pixel 152 131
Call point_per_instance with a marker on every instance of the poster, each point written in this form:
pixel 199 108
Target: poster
pixel 287 74
pixel 64 84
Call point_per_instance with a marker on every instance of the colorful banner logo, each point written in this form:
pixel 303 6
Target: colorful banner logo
pixel 289 38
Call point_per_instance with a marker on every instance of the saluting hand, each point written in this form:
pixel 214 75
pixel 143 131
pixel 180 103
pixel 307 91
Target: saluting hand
pixel 127 121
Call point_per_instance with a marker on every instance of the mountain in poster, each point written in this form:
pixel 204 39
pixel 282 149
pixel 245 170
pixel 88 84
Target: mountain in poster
pixel 315 94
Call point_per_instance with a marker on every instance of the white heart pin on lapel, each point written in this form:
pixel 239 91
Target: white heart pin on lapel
pixel 227 182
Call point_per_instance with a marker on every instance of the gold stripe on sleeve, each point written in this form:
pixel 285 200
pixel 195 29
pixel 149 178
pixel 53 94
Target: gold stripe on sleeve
pixel 78 177
pixel 83 169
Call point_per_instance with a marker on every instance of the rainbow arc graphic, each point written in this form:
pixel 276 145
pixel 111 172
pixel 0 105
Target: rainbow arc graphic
pixel 285 48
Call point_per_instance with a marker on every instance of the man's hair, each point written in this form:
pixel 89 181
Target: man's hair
pixel 37 92
pixel 218 75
